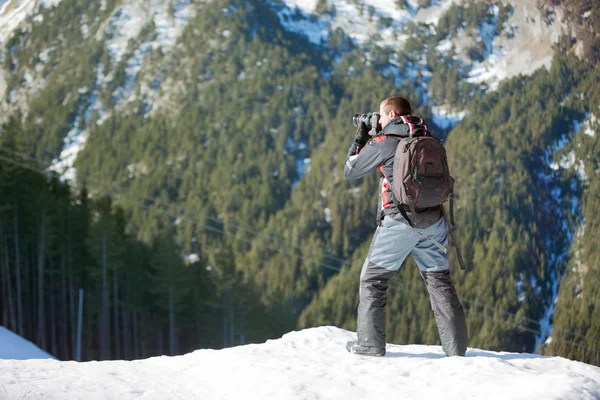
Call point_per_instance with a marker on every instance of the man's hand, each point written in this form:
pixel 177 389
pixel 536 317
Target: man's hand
pixel 362 135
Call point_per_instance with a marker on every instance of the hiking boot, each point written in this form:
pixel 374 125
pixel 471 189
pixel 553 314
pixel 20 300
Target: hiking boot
pixel 355 348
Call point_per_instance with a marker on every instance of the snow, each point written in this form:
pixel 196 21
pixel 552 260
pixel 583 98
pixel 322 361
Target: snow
pixel 590 123
pixel 74 143
pixel 46 53
pixel 525 51
pixel 444 46
pixel 431 15
pixel 13 12
pixel 191 258
pixel 14 347
pixel 296 16
pixel 492 70
pixel 446 119
pixel 302 166
pixel 125 24
pixel 327 213
pixel 128 21
pixel 559 207
pixel 169 29
pixel 308 364
pixel 12 17
pixel 568 161
pixel 520 288
pixel 76 138
pixel 315 31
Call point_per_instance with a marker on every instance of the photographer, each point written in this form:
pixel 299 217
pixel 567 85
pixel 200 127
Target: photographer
pixel 422 232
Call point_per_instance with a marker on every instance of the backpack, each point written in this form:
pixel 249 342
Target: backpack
pixel 421 174
pixel 421 179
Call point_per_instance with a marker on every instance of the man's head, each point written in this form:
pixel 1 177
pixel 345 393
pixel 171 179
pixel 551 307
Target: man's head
pixel 393 107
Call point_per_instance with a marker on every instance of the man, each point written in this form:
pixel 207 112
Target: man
pixel 394 239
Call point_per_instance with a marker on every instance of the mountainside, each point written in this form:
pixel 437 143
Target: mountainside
pixel 223 125
pixel 308 364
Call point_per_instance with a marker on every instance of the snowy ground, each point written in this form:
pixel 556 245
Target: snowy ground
pixel 14 347
pixel 309 364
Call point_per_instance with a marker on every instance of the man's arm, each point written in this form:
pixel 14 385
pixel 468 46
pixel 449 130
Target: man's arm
pixel 361 161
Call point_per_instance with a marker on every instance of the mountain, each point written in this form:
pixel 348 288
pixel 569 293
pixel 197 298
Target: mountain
pixel 223 125
pixel 306 364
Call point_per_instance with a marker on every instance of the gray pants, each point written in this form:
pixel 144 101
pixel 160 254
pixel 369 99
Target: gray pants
pixel 391 244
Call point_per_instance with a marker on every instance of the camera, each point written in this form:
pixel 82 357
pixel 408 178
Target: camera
pixel 370 120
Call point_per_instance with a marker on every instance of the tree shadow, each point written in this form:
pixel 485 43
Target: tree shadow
pixel 399 354
pixel 470 354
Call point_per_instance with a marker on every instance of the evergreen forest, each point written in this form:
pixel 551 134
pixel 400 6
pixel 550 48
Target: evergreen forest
pixel 216 213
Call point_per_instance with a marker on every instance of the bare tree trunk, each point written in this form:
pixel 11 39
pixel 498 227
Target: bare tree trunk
pixel 172 338
pixel 91 350
pixel 136 337
pixel 116 314
pixel 231 319
pixel 30 301
pixel 143 334
pixel 126 333
pixel 225 335
pixel 41 328
pixel 4 299
pixel 197 318
pixel 159 342
pixel 64 316
pixel 10 304
pixel 73 319
pixel 52 300
pixel 18 276
pixel 104 324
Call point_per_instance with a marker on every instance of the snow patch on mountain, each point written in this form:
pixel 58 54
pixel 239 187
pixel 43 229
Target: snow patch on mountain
pixel 590 125
pixel 569 161
pixel 432 14
pixel 368 20
pixel 524 46
pixel 127 23
pixel 308 364
pixel 122 28
pixel 556 160
pixel 14 12
pixel 76 138
pixel 446 119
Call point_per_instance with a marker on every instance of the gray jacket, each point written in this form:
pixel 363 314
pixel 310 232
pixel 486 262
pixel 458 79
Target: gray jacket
pixel 379 152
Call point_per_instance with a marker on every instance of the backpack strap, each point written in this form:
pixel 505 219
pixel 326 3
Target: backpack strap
pixel 452 223
pixel 451 229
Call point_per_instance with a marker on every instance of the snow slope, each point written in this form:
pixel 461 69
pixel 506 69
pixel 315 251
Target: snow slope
pixel 524 46
pixel 14 347
pixel 13 12
pixel 309 364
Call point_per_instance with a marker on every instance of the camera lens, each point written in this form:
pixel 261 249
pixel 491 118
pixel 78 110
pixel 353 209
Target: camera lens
pixel 359 119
